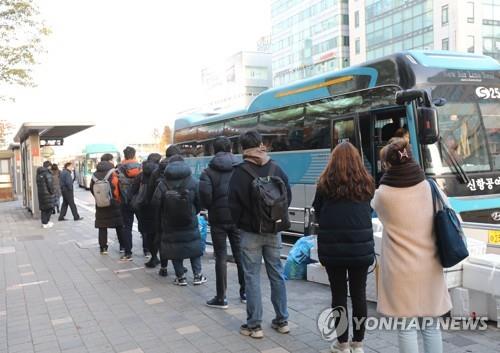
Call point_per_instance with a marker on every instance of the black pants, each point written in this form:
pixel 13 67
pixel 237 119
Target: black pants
pixel 45 215
pixel 357 289
pixel 68 200
pixel 128 222
pixel 219 235
pixel 103 236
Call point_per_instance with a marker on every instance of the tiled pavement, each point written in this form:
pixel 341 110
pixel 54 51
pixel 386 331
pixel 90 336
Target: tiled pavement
pixel 58 294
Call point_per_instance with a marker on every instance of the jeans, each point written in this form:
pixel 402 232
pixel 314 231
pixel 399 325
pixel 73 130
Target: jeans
pixel 128 222
pixel 68 200
pixel 357 288
pixel 179 266
pixel 431 334
pixel 103 236
pixel 45 215
pixel 219 236
pixel 254 247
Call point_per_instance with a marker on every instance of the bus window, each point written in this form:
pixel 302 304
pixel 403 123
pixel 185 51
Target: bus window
pixel 208 148
pixel 317 131
pixel 343 131
pixel 367 138
pixel 283 130
pixel 237 126
pixel 491 117
pixel 191 150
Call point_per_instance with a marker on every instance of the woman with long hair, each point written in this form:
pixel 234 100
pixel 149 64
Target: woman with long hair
pixel 345 237
pixel 411 281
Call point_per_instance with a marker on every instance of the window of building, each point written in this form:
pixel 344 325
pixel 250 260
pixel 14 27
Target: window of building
pixel 445 44
pixel 444 15
pixel 470 44
pixel 356 19
pixel 357 46
pixel 470 12
pixel 345 19
pixel 345 41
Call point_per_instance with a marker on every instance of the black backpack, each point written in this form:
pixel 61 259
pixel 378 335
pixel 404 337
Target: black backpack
pixel 269 202
pixel 140 199
pixel 178 205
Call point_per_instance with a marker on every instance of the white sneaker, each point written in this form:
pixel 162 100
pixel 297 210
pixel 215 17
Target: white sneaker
pixel 358 350
pixel 357 347
pixel 45 226
pixel 340 348
pixel 50 225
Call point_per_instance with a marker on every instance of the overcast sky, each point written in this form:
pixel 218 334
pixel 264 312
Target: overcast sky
pixel 131 65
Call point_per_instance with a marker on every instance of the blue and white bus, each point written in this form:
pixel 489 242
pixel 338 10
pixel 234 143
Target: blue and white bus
pixel 301 123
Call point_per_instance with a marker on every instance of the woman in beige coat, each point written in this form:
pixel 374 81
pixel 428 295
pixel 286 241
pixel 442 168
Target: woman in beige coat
pixel 411 281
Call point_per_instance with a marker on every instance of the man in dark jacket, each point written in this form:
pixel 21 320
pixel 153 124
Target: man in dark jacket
pixel 214 195
pixel 128 170
pixel 255 245
pixel 45 189
pixel 140 195
pixel 108 217
pixel 178 200
pixel 67 194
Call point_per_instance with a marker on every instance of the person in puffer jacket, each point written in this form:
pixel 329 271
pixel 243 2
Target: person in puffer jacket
pixel 214 195
pixel 45 189
pixel 140 190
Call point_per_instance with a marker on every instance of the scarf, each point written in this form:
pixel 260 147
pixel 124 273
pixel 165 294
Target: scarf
pixel 256 155
pixel 403 175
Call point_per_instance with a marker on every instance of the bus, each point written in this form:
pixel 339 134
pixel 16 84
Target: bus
pixel 86 163
pixel 448 102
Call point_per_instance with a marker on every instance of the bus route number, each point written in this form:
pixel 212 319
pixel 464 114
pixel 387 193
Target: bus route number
pixel 494 237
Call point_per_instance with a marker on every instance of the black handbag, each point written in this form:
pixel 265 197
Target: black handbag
pixel 450 238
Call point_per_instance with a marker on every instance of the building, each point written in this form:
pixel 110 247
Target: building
pixel 308 37
pixel 382 27
pixel 236 82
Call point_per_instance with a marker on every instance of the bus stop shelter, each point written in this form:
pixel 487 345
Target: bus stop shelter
pixel 31 137
pixel 6 178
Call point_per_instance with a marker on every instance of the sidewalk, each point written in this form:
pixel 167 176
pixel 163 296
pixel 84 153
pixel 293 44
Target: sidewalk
pixel 58 294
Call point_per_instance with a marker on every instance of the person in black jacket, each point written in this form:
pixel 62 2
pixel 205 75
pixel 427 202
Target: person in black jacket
pixel 255 246
pixel 178 200
pixel 67 194
pixel 214 195
pixel 45 189
pixel 108 217
pixel 345 235
pixel 145 212
pixel 158 177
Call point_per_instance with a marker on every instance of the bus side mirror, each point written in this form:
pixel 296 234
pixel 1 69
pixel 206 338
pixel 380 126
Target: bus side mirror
pixel 428 131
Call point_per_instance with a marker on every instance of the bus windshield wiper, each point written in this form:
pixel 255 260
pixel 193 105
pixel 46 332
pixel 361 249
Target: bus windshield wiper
pixel 455 164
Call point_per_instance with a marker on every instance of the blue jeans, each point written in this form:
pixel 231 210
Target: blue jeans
pixel 254 247
pixel 195 266
pixel 433 342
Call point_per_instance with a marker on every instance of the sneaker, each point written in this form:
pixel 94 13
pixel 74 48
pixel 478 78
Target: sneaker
pixel 180 281
pixel 357 347
pixel 337 347
pixel 79 219
pixel 152 263
pixel 104 251
pixel 280 326
pixel 199 279
pixel 61 219
pixel 243 298
pixel 163 272
pixel 254 332
pixel 215 302
pixel 45 226
pixel 126 258
pixel 50 225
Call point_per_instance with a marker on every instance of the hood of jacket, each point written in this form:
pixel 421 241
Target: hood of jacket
pixel 256 155
pixel 176 170
pixel 104 166
pixel 149 167
pixel 223 161
pixel 42 170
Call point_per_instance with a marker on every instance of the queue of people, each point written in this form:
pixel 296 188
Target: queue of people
pixel 247 203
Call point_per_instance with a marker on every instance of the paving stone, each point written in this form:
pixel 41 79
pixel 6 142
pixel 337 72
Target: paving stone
pixel 65 320
pixel 142 290
pixel 154 301
pixel 188 329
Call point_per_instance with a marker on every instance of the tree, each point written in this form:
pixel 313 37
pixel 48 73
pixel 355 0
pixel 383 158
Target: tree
pixel 21 33
pixel 6 128
pixel 166 138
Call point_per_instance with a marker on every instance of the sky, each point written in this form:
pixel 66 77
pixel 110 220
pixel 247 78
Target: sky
pixel 130 66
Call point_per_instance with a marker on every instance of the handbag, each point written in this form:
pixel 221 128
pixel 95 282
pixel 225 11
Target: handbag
pixel 450 238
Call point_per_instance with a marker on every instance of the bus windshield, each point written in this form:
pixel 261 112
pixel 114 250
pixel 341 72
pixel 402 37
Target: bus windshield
pixel 469 126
